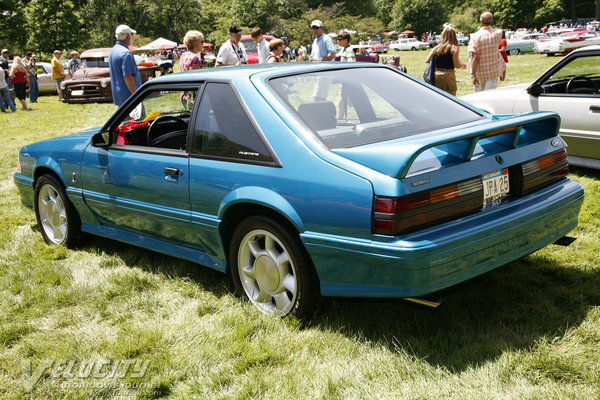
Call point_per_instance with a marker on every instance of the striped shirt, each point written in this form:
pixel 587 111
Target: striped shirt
pixel 484 44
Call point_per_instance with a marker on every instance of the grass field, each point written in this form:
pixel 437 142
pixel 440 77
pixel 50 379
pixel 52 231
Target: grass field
pixel 108 320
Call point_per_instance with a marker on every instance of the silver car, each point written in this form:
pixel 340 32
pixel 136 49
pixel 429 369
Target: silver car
pixel 571 88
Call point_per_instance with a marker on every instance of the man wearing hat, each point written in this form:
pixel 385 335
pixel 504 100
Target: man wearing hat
pixel 4 56
pixel 232 52
pixel 322 47
pixel 124 74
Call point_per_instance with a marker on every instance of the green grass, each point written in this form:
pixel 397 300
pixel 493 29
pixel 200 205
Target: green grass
pixel 529 330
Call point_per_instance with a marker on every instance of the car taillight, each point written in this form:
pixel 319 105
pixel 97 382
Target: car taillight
pixel 394 215
pixel 538 172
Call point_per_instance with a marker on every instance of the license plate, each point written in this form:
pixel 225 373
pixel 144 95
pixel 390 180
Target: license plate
pixel 495 187
pixel 76 92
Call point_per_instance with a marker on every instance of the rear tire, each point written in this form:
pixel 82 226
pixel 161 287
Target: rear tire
pixel 56 216
pixel 513 52
pixel 270 267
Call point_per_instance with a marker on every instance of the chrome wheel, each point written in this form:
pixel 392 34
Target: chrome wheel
pixel 267 272
pixel 53 214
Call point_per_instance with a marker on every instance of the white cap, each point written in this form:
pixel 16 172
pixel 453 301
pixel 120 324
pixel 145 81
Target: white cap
pixel 316 23
pixel 123 30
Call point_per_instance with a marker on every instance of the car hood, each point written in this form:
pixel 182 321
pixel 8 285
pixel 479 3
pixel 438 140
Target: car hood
pixel 497 101
pixel 72 141
pixel 91 73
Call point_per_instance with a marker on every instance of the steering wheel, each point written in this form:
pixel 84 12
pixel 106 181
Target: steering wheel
pixel 585 78
pixel 180 125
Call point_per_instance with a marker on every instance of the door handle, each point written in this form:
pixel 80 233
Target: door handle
pixel 595 108
pixel 173 171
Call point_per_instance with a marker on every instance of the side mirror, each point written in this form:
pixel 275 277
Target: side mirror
pixel 535 89
pixel 101 139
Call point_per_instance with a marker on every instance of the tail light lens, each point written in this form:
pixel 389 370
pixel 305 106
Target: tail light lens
pixel 538 172
pixel 396 215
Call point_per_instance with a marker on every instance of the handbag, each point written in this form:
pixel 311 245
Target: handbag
pixel 429 73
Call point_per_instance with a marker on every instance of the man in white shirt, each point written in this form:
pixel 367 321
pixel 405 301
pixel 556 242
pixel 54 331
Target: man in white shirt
pixel 232 52
pixel 262 46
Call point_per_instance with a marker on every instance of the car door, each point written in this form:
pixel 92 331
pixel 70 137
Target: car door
pixel 228 151
pixel 141 182
pixel 572 90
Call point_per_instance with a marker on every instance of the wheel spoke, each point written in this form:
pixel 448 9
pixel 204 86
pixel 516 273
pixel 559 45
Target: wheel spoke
pixel 262 296
pixel 282 300
pixel 255 248
pixel 289 283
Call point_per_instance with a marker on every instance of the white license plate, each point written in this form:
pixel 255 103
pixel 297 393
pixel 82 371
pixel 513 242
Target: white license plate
pixel 76 92
pixel 495 187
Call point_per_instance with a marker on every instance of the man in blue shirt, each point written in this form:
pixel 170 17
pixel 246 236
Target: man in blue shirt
pixel 322 47
pixel 124 74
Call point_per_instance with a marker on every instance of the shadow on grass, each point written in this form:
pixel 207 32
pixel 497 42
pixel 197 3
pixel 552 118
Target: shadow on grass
pixel 509 308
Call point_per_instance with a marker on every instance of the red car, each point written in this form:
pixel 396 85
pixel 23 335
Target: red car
pixel 250 45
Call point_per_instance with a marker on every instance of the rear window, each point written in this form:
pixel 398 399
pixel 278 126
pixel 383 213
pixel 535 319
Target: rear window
pixel 350 107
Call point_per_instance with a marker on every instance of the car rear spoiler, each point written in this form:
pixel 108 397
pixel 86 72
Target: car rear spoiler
pixel 454 145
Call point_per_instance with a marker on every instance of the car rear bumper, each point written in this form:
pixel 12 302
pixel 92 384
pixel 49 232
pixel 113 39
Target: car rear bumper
pixel 448 254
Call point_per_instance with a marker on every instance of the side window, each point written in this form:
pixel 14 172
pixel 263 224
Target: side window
pixel 160 119
pixel 223 129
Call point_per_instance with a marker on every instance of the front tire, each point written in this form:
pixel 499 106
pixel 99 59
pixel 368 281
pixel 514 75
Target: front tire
pixel 270 267
pixel 56 216
pixel 513 52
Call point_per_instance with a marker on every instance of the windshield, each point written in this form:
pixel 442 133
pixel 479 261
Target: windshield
pixel 350 107
pixel 581 66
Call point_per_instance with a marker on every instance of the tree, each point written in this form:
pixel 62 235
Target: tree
pixel 418 15
pixel 55 25
pixel 12 20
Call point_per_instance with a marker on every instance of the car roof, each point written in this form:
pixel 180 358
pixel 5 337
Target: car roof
pixel 595 47
pixel 264 70
pixel 96 53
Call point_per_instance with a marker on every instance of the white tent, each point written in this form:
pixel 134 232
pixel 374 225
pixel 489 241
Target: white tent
pixel 159 44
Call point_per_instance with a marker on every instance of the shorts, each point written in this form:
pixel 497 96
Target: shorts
pixel 58 82
pixel 20 90
pixel 445 79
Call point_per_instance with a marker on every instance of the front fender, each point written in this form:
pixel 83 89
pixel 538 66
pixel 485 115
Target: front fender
pixel 49 162
pixel 263 197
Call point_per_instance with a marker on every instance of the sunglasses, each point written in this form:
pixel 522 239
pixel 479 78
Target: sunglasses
pixel 316 27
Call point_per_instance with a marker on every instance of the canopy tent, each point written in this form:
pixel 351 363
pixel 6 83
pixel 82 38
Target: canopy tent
pixel 406 32
pixel 159 44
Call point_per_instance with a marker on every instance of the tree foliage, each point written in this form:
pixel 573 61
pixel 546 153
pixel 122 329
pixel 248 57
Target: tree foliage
pixel 45 25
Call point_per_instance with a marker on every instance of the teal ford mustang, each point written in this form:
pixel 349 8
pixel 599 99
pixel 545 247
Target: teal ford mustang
pixel 308 180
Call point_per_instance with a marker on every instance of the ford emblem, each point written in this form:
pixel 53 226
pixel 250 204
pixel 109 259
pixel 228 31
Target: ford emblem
pixel 499 159
pixel 556 142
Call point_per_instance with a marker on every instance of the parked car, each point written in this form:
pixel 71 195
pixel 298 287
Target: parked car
pixel 380 48
pixel 307 179
pixel 91 82
pixel 524 44
pixel 251 49
pixel 462 39
pixel 408 44
pixel 46 84
pixel 567 42
pixel 570 88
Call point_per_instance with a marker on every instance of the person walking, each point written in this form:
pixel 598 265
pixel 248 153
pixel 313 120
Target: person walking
pixel 487 64
pixel 5 100
pixel 232 52
pixel 262 46
pixel 58 73
pixel 446 60
pixel 322 47
pixel 18 74
pixel 124 74
pixel 31 66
